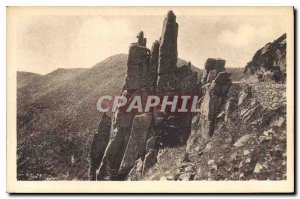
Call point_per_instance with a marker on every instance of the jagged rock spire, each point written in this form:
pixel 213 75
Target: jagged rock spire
pixel 168 44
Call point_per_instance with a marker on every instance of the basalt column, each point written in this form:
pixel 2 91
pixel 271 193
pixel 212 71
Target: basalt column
pixel 124 124
pixel 167 81
pixel 166 123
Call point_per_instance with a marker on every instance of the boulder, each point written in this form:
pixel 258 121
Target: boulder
pixel 243 140
pixel 140 37
pixel 221 85
pixel 215 64
pixel 207 109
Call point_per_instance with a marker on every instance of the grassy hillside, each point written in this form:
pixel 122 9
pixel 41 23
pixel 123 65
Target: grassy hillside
pixel 24 78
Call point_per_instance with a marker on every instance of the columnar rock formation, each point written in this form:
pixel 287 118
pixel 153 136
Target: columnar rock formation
pixel 135 137
pixel 100 141
pixel 167 80
pixel 217 85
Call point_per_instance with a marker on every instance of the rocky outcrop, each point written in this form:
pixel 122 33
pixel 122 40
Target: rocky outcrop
pixel 173 128
pixel 269 62
pixel 231 115
pixel 135 137
pixel 98 146
pixel 129 131
pixel 212 68
pixel 138 61
pixel 216 94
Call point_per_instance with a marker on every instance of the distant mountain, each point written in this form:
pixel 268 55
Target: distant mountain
pixel 24 78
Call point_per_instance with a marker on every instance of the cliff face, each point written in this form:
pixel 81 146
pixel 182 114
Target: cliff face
pixel 269 62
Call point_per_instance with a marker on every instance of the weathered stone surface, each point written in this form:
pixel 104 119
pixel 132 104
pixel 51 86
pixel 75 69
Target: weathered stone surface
pixel 215 64
pixel 152 72
pixel 221 85
pixel 140 38
pixel 114 153
pixel 207 109
pixel 152 69
pixel 167 84
pixel 269 62
pixel 150 144
pixel 150 160
pixel 250 113
pixel 222 78
pixel 231 110
pixel 211 76
pixel 168 45
pixel 137 64
pixel 244 96
pixel 136 145
pixel 216 88
pixel 99 143
pixel 124 119
pixel 136 172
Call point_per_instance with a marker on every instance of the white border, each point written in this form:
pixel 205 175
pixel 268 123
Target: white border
pixel 5 3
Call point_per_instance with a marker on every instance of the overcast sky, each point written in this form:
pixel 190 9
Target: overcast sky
pixel 46 43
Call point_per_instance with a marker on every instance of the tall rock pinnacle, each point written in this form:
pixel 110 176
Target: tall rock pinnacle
pixel 168 45
pixel 167 81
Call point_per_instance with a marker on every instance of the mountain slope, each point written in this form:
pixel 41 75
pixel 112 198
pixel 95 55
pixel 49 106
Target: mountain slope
pixel 24 78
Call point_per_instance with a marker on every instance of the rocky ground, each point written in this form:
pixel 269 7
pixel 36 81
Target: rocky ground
pixel 235 152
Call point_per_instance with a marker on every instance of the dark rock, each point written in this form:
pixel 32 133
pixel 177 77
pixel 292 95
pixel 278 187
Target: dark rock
pixel 136 144
pixel 269 62
pixel 221 85
pixel 167 84
pixel 211 76
pixel 137 64
pixel 150 160
pixel 136 172
pixel 152 69
pixel 168 45
pixel 114 153
pixel 215 64
pixel 150 144
pixel 99 143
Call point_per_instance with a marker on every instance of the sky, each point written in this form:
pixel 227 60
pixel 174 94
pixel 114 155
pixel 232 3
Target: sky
pixel 45 43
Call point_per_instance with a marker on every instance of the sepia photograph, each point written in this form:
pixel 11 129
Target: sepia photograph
pixel 150 99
